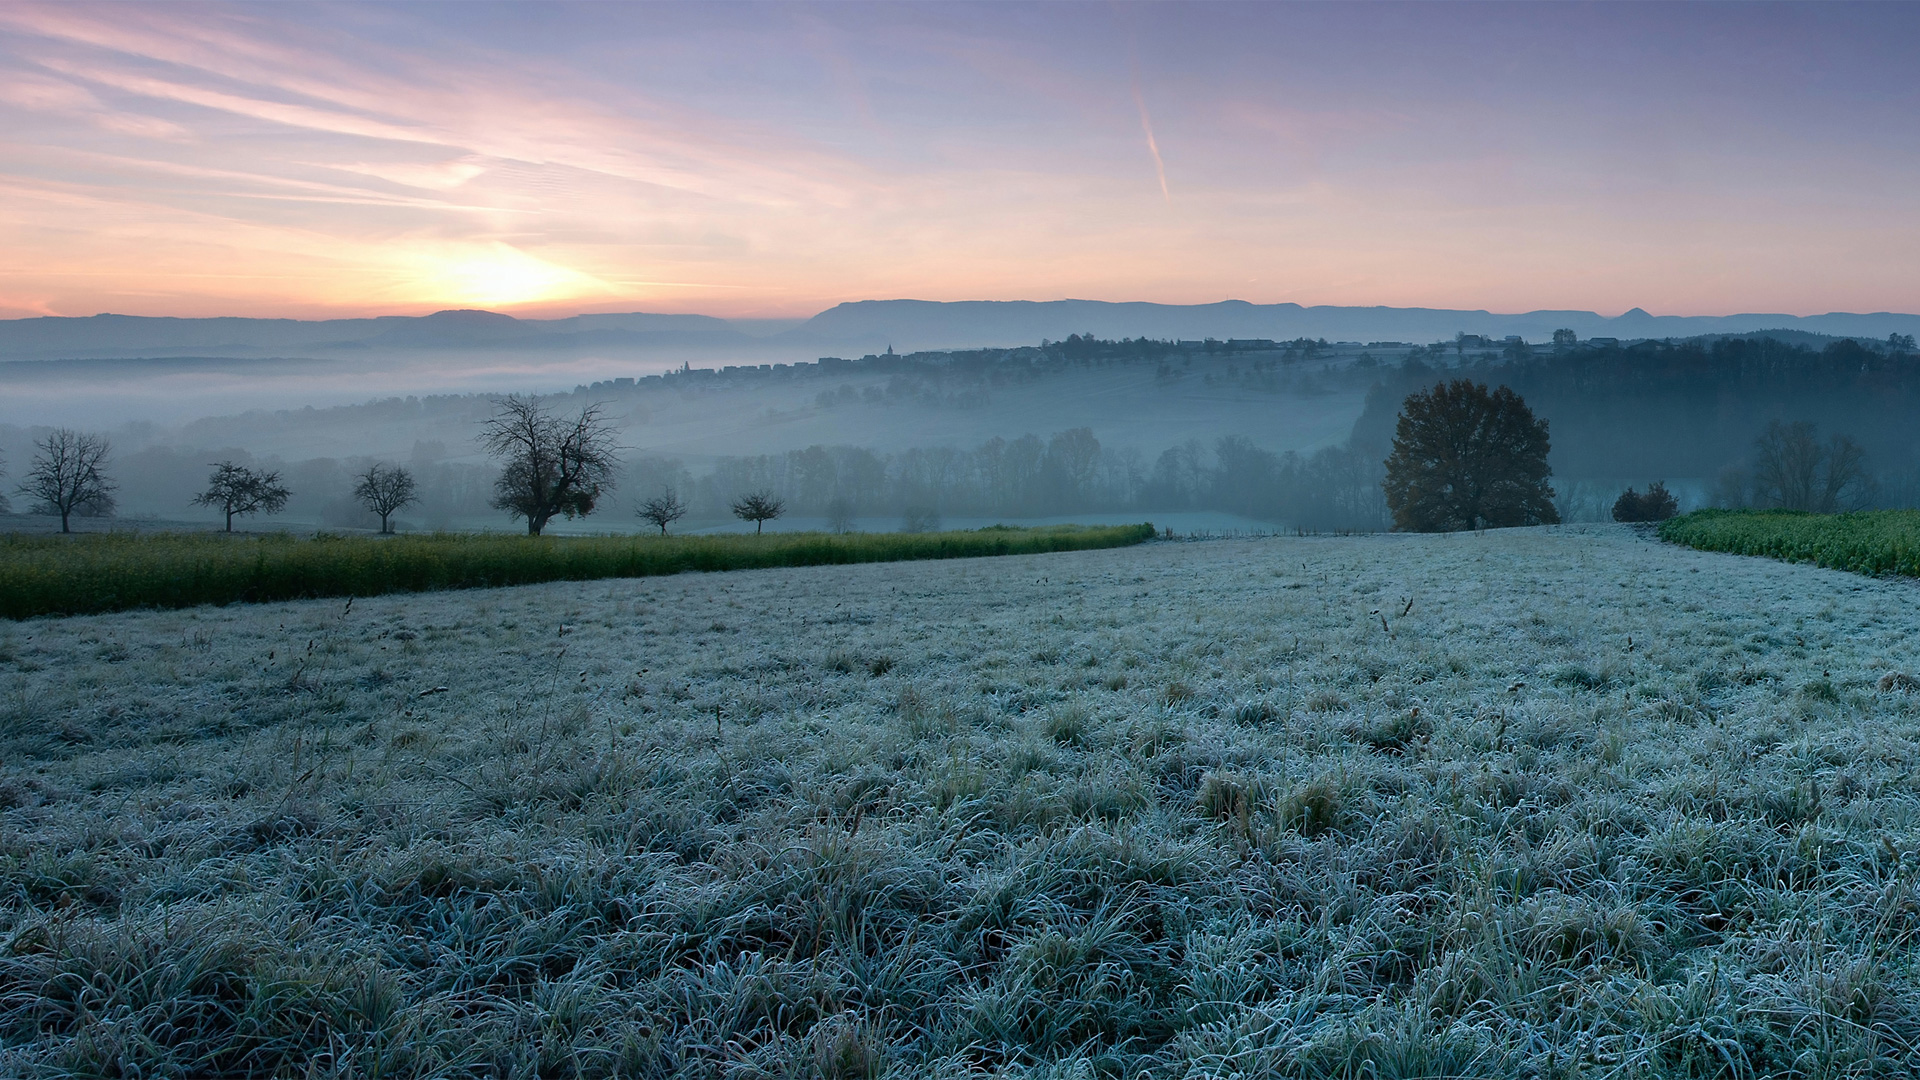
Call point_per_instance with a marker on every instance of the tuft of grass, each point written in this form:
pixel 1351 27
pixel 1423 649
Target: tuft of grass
pixel 1395 733
pixel 1872 542
pixel 1316 807
pixel 1068 725
pixel 100 572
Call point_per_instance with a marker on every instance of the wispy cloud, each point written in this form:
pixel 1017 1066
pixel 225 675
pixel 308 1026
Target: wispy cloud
pixel 1153 144
pixel 774 159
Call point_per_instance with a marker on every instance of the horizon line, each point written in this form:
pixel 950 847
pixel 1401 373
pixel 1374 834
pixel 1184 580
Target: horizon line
pixel 542 317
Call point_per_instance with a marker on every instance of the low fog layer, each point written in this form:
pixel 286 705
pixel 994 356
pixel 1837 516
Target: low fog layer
pixel 61 370
pixel 1287 434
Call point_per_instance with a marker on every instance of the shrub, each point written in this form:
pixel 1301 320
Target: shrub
pixel 1655 504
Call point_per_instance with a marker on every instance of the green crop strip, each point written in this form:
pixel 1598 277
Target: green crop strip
pixel 73 575
pixel 1872 542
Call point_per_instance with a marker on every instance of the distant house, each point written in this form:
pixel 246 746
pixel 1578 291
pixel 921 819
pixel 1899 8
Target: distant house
pixel 1604 342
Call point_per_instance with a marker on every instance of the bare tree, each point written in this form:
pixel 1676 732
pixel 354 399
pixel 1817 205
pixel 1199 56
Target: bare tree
pixel 920 519
pixel 235 489
pixel 1794 471
pixel 66 476
pixel 5 507
pixel 552 466
pixel 1786 465
pixel 663 510
pixel 1845 484
pixel 384 489
pixel 759 507
pixel 840 512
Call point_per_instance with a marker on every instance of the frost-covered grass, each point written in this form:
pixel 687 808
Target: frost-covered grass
pixel 75 575
pixel 1871 542
pixel 1529 803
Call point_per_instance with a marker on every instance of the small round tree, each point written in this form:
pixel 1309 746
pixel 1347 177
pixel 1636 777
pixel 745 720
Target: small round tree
pixel 1467 458
pixel 235 489
pixel 663 510
pixel 760 507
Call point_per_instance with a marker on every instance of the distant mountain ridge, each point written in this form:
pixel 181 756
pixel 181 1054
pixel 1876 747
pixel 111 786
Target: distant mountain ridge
pixel 107 336
pixel 923 324
pixel 866 325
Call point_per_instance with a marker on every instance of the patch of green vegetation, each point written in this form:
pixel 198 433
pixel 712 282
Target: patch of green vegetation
pixel 1871 542
pixel 77 575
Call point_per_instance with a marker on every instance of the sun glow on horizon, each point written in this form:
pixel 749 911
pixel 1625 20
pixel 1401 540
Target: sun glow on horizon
pixel 494 275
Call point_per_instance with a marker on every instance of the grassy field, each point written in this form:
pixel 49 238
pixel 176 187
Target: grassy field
pixel 72 575
pixel 1872 542
pixel 1531 803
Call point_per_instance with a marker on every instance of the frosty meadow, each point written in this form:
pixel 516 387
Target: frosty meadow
pixel 1560 801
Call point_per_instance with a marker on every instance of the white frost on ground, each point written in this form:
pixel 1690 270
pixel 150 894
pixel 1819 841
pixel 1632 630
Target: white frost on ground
pixel 1502 803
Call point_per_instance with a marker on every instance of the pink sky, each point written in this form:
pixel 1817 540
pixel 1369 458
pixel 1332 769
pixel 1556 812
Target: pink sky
pixel 341 160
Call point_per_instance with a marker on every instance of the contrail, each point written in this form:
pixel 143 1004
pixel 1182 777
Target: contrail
pixel 1146 125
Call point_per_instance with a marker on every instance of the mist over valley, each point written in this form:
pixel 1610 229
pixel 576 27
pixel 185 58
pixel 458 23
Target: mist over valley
pixel 1254 431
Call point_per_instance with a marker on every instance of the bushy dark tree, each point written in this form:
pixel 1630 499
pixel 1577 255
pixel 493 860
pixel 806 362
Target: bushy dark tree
pixel 759 507
pixel 552 466
pixel 1655 504
pixel 1466 458
pixel 384 489
pixel 67 476
pixel 663 510
pixel 235 489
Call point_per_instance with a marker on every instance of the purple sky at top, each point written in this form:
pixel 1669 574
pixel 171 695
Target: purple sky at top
pixel 773 160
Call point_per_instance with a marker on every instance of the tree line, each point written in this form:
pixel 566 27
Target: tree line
pixel 551 465
pixel 1461 457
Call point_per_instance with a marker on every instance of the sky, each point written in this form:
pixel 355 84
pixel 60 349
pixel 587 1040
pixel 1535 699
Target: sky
pixel 771 161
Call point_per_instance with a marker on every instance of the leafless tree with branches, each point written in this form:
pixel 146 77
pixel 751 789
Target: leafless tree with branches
pixel 663 509
pixel 235 489
pixel 67 476
pixel 1792 469
pixel 552 466
pixel 759 507
pixel 385 489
